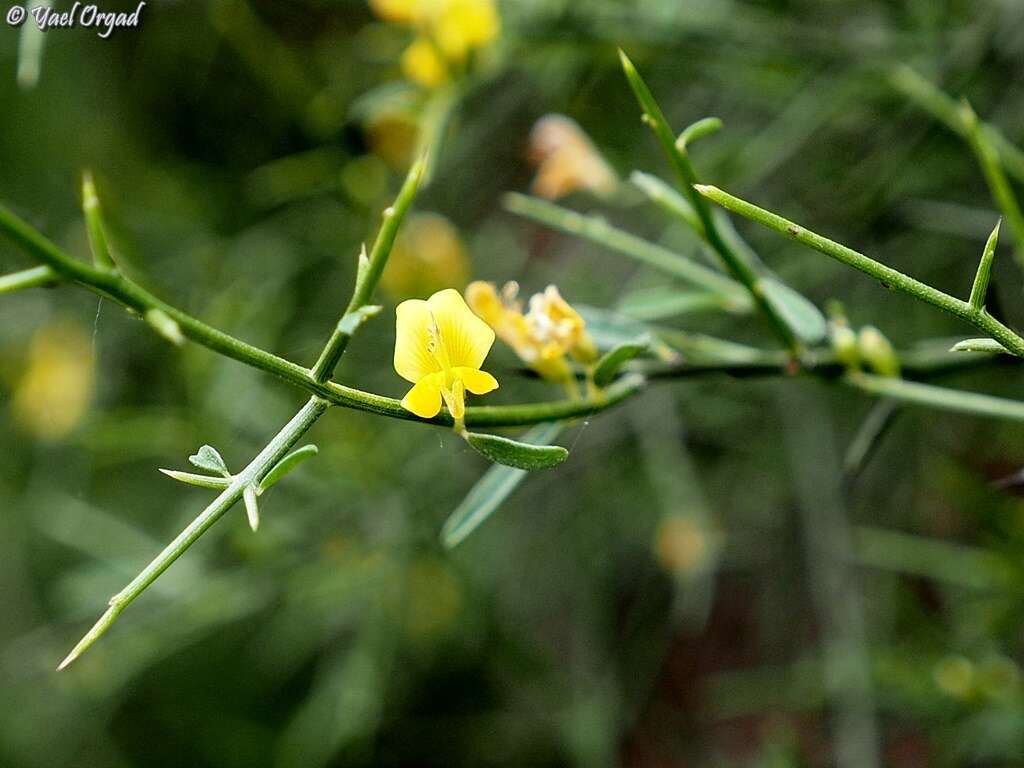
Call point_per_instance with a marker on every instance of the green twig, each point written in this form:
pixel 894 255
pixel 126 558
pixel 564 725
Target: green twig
pixel 947 111
pixel 27 278
pixel 275 450
pixel 890 277
pixel 680 160
pixel 996 179
pixel 370 271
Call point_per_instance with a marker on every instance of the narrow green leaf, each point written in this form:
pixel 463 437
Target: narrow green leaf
pixel 286 465
pixel 980 288
pixel 94 224
pixel 704 127
pixel 613 360
pixel 990 346
pixel 491 490
pixel 252 507
pixel 800 314
pixel 653 115
pixel 209 459
pixel 350 322
pixel 202 481
pixel 665 301
pixel 512 453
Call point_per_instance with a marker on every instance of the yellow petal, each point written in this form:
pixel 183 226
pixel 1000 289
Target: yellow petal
pixel 424 399
pixel 413 360
pixel 466 338
pixel 477 382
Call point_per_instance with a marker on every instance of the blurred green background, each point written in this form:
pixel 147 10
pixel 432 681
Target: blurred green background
pixel 698 584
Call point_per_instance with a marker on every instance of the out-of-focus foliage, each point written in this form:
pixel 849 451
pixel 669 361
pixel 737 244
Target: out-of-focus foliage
pixel 661 598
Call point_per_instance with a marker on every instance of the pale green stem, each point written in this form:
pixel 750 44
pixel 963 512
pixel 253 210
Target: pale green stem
pixel 940 398
pixel 596 230
pixel 890 277
pixel 370 272
pixel 998 184
pixel 275 450
pixel 946 110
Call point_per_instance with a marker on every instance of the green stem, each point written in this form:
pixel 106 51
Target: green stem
pixel 27 278
pixel 679 158
pixel 370 272
pixel 890 277
pixel 275 450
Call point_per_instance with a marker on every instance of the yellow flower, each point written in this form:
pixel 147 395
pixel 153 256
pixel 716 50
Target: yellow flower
pixel 544 336
pixel 439 347
pixel 427 255
pixel 54 391
pixel 447 31
pixel 464 25
pixel 567 160
pixel 422 63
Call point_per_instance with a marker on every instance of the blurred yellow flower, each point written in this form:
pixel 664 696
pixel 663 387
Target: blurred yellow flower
pixel 428 254
pixel 567 160
pixel 447 31
pixel 54 391
pixel 397 11
pixel 422 63
pixel 461 26
pixel 542 337
pixel 439 347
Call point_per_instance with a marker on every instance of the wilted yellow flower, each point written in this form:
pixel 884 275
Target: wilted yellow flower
pixel 447 32
pixel 427 255
pixel 439 347
pixel 543 336
pixel 567 160
pixel 56 386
